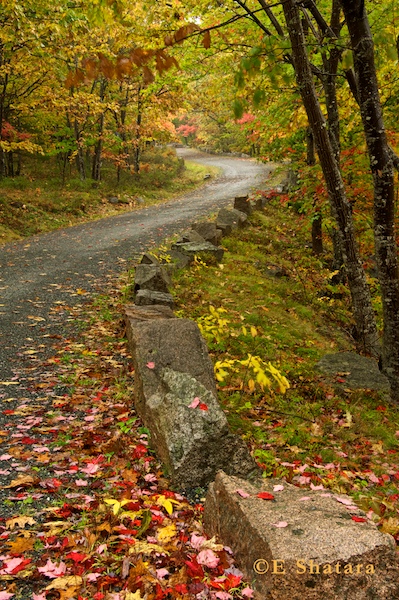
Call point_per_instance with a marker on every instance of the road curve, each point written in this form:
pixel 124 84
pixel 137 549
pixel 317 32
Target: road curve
pixel 64 266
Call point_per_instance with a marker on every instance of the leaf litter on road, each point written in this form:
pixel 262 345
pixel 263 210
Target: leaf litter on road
pixel 87 511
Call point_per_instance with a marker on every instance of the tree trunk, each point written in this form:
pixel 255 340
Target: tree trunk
pixel 317 233
pixel 137 150
pixel 363 313
pixel 80 159
pixel 96 166
pixel 383 178
pixel 310 149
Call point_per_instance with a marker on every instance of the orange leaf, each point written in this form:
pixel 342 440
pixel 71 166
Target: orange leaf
pixel 206 40
pixel 21 545
pixel 148 75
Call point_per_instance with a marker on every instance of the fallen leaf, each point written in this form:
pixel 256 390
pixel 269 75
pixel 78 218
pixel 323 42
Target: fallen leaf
pixel 63 583
pixel 280 524
pixel 133 596
pixel 20 521
pixel 194 403
pixel 346 501
pixel 265 496
pixel 208 558
pixel 52 569
pixel 167 533
pixel 21 545
pixel 146 548
pixel 243 494
pixel 22 480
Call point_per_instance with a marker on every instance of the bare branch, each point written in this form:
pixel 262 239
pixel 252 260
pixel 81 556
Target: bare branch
pixel 253 17
pixel 318 17
pixel 272 18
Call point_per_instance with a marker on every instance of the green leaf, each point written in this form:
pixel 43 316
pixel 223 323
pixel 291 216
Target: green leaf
pixel 238 109
pixel 258 97
pixel 347 59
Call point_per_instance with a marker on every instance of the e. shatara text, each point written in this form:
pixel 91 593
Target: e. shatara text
pixel 310 567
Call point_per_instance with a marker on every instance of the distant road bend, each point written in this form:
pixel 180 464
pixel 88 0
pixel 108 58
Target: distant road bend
pixel 39 272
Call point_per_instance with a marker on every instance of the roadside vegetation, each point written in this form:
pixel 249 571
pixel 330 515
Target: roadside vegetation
pixel 273 301
pixel 90 513
pixel 39 200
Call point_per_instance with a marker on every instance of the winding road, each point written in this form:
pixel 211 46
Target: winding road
pixel 41 273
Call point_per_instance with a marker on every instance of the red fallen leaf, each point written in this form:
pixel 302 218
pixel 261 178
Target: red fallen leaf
pixel 358 519
pixel 265 496
pixel 168 494
pixel 160 593
pixel 28 440
pixel 381 408
pixel 194 570
pixel 140 451
pixel 96 460
pixel 8 412
pixel 21 566
pixel 51 484
pixel 77 556
pixel 231 581
pixel 65 511
pixel 181 588
pixel 133 506
pixel 203 406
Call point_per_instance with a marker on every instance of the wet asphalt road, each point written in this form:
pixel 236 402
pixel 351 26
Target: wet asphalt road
pixel 41 274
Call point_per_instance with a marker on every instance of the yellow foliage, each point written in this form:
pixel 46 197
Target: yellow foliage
pixel 257 368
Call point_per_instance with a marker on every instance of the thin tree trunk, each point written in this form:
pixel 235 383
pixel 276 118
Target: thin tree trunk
pixel 96 166
pixel 383 178
pixel 137 150
pixel 317 233
pixel 310 148
pixel 80 159
pixel 363 313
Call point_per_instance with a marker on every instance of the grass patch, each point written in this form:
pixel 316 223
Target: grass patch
pixel 39 201
pixel 268 301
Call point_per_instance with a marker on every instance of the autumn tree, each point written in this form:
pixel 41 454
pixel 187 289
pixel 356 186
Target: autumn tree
pixel 381 166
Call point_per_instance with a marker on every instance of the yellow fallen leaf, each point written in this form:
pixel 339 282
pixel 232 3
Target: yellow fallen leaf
pixel 9 382
pixel 62 583
pixel 165 534
pixel 21 545
pixel 146 548
pixel 22 480
pixel 133 596
pixel 212 545
pixel 104 527
pixel 56 527
pixel 20 521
